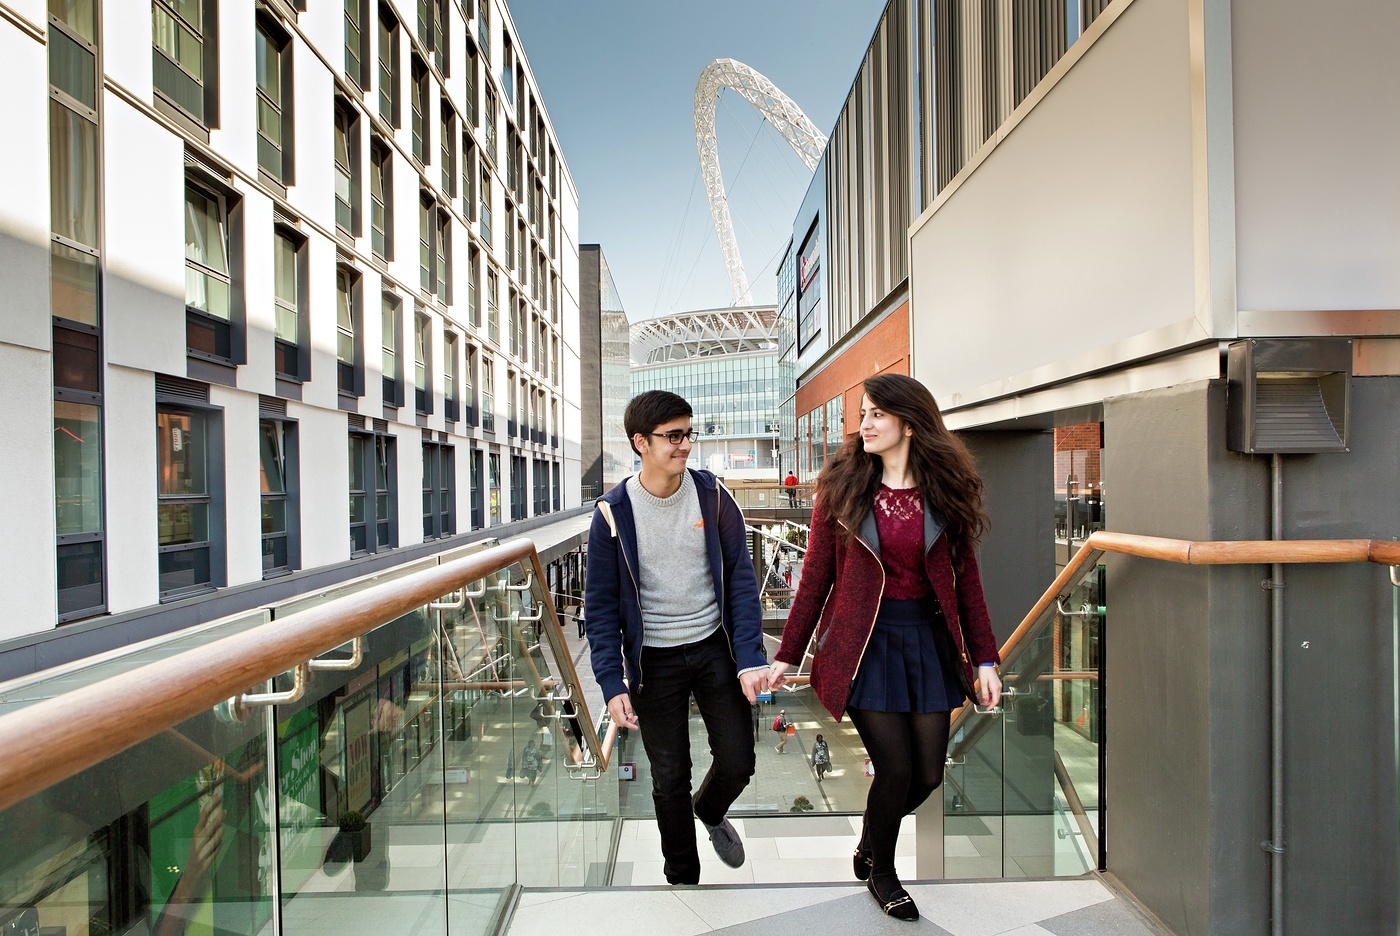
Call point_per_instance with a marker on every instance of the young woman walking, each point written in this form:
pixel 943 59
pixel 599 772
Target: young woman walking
pixel 891 588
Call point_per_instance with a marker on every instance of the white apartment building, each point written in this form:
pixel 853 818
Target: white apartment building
pixel 285 285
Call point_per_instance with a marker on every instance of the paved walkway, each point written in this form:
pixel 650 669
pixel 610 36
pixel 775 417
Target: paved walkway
pixel 1070 907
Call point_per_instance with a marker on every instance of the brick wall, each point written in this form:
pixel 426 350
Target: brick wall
pixel 883 349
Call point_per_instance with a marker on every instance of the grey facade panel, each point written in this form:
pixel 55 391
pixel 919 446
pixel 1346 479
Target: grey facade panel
pixel 1187 675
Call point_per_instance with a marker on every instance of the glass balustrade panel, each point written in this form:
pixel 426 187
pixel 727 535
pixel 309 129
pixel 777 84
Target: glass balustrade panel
pixel 361 790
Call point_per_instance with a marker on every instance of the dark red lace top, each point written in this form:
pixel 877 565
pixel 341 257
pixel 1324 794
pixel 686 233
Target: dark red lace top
pixel 899 518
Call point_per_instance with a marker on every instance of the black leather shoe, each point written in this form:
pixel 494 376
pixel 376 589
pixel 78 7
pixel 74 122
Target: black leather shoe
pixel 860 863
pixel 892 897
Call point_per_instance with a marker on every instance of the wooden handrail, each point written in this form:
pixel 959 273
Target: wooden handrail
pixel 57 738
pixel 1197 552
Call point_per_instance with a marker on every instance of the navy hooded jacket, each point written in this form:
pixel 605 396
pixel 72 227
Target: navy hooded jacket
pixel 613 594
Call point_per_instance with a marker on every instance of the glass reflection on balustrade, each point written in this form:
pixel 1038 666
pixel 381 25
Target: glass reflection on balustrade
pixel 1021 789
pixel 406 794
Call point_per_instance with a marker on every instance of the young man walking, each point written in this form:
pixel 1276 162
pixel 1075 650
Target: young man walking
pixel 673 611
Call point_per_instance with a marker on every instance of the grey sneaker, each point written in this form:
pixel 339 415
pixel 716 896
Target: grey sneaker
pixel 725 839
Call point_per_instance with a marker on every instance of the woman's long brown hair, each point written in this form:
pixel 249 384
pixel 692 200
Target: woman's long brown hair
pixel 943 468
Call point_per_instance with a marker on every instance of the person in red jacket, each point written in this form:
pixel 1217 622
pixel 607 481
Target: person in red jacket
pixel 891 589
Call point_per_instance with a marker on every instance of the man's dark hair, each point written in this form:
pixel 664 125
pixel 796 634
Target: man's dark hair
pixel 648 410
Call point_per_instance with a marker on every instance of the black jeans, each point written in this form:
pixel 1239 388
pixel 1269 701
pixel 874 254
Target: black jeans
pixel 670 675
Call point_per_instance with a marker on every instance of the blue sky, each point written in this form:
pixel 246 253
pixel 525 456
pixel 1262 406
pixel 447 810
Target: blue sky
pixel 618 79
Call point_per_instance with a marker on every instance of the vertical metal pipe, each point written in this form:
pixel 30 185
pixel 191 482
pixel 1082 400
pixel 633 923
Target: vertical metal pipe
pixel 1276 715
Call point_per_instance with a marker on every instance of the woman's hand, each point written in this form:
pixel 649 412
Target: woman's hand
pixel 988 686
pixel 776 679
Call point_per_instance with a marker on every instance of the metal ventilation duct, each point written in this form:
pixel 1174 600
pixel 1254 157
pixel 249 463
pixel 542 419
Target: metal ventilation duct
pixel 1290 396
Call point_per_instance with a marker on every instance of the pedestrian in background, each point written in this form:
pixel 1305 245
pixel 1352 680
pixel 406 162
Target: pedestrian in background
pixel 821 757
pixel 780 725
pixel 891 585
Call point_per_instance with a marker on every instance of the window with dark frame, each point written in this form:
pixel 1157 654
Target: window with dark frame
pixel 381 194
pixel 493 312
pixel 183 66
pixel 385 474
pixel 488 394
pixel 347 169
pixel 389 68
pixel 288 256
pixel 442 267
pixel 74 192
pixel 183 501
pixel 208 274
pixel 478 489
pixel 422 363
pixel 450 409
pixel 372 479
pixel 419 91
pixel 486 207
pixel 483 28
pixel 438 490
pixel 470 363
pixel 471 82
pixel 356 59
pixel 347 323
pixel 474 287
pixel 493 476
pixel 488 120
pixel 447 134
pixel 273 74
pixel 390 307
pixel 277 513
pixel 427 255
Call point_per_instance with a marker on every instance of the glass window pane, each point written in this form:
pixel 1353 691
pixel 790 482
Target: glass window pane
pixel 381 476
pixel 73 175
pixel 343 317
pixel 269 121
pixel 76 365
pixel 72 68
pixel 183 523
pixel 207 293
pixel 268 66
pixel 286 328
pixel 180 444
pixel 191 11
pixel 274 553
pixel 357 508
pixel 77 437
pixel 188 568
pixel 285 269
pixel 177 41
pixel 206 241
pixel 79 577
pixel 76 15
pixel 357 463
pixel 274 515
pixel 272 463
pixel 73 284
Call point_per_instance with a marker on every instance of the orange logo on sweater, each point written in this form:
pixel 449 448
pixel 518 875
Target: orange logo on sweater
pixel 700 524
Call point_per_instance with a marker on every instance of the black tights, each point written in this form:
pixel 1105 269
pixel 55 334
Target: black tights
pixel 908 751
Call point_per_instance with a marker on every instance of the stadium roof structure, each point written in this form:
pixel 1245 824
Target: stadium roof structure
pixel 705 333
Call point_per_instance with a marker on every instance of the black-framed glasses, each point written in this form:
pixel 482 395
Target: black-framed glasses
pixel 675 436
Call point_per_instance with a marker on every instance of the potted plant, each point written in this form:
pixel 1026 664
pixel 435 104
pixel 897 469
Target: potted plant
pixel 802 804
pixel 356 830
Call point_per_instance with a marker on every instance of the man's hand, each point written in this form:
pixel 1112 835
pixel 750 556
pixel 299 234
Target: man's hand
pixel 753 683
pixel 988 686
pixel 620 708
pixel 776 677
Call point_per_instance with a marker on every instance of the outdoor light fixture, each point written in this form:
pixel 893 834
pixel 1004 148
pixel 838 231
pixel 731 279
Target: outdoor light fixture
pixel 1288 396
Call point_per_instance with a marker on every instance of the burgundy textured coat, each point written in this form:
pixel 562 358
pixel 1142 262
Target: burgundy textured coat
pixel 839 595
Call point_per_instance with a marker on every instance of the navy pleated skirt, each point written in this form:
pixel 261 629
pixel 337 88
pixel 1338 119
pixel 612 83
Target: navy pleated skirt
pixel 908 663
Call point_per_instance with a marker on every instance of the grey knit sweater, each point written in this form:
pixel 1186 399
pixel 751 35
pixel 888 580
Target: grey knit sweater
pixel 677 588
